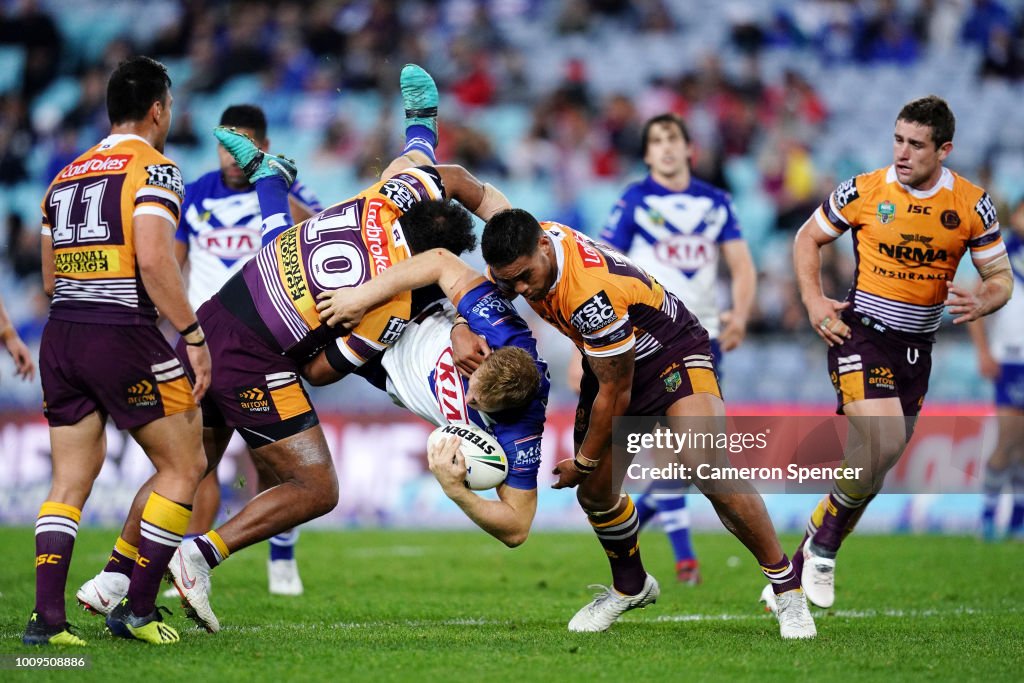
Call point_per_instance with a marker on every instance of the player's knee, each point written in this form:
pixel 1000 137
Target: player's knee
pixel 595 501
pixel 320 489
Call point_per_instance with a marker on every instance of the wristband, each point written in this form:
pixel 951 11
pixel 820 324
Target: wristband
pixel 457 323
pixel 580 463
pixel 190 329
pixel 193 335
pixel 7 332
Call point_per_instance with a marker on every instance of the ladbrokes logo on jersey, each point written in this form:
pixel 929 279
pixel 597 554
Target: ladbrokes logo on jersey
pixel 142 395
pixel 910 255
pixel 97 164
pixel 595 313
pixel 254 400
pixel 375 237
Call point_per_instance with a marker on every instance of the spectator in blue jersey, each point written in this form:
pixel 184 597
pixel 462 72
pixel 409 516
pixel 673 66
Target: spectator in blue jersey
pixel 678 228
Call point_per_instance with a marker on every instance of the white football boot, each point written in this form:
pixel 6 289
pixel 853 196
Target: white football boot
pixel 101 593
pixel 768 599
pixel 609 605
pixel 190 575
pixel 283 577
pixel 795 620
pixel 818 578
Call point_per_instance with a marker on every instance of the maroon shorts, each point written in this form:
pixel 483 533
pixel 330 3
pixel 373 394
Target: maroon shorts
pixel 659 381
pixel 876 362
pixel 254 388
pixel 128 372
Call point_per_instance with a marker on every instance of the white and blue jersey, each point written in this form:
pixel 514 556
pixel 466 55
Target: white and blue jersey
pixel 221 227
pixel 1006 331
pixel 422 377
pixel 679 236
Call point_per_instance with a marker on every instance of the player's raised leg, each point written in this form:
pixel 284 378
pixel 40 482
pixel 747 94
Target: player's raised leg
pixel 272 175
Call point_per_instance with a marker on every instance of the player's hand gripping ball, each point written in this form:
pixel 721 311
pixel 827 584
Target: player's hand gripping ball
pixel 486 463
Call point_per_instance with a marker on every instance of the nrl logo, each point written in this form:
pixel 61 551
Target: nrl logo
pixel 886 212
pixel 673 381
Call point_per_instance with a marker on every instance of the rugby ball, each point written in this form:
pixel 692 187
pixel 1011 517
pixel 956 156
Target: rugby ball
pixel 486 463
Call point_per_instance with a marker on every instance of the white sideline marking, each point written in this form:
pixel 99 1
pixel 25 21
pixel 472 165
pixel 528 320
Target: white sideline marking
pixel 630 618
pixel 846 614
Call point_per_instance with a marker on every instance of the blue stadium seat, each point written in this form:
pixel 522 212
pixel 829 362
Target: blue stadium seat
pixel 12 61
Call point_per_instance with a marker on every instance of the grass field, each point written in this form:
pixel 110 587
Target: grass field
pixel 457 606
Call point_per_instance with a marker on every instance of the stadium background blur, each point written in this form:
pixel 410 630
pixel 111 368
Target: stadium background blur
pixel 545 100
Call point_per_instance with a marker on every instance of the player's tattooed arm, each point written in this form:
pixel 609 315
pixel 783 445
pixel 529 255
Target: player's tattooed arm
pixel 615 389
pixel 438 266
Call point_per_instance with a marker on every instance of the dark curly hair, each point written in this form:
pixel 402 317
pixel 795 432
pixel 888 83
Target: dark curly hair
pixel 438 223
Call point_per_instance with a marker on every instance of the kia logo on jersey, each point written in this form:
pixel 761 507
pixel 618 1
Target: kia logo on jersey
pixel 230 243
pixel 448 390
pixel 686 252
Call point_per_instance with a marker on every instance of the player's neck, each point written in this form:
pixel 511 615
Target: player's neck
pixel 677 182
pixel 139 128
pixel 929 183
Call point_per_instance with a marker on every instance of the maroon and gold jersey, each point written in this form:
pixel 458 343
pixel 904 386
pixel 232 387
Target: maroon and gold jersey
pixel 88 212
pixel 606 304
pixel 342 246
pixel 909 242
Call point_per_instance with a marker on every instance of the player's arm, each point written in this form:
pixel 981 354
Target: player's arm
pixel 508 519
pixel 744 284
pixel 49 266
pixel 615 388
pixel 347 306
pixel 158 268
pixel 181 253
pixel 995 290
pixel 822 311
pixel 23 364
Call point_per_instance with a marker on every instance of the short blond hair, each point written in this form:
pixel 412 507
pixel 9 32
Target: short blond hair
pixel 508 378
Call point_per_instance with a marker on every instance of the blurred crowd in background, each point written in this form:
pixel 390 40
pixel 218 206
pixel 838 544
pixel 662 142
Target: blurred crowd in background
pixel 544 99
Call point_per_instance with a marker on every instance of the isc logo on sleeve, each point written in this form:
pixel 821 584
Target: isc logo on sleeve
pixel 595 313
